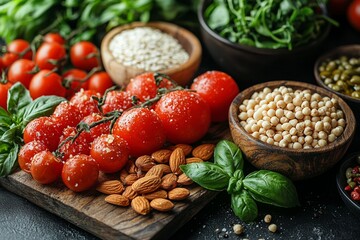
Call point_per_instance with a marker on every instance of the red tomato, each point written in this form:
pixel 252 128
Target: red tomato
pixel 99 129
pixel 85 103
pixel 21 71
pixel 14 49
pixel 81 145
pixel 46 82
pixel 80 173
pixel 145 87
pixel 44 130
pixel 4 88
pixel 100 81
pixel 76 79
pixel 50 51
pixel 111 152
pixel 141 128
pixel 185 116
pixel 117 100
pixel 45 167
pixel 84 55
pixel 54 37
pixel 353 14
pixel 27 152
pixel 66 114
pixel 218 89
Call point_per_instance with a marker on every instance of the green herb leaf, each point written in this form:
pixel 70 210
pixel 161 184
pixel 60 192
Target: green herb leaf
pixel 228 156
pixel 219 17
pixel 207 175
pixel 18 99
pixel 235 182
pixel 12 134
pixel 271 188
pixel 8 157
pixel 5 121
pixel 42 106
pixel 244 206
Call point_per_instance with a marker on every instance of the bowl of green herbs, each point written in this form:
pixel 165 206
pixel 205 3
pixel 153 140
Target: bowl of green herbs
pixel 257 41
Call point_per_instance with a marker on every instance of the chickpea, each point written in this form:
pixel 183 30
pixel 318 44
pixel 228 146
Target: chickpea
pixel 322 142
pixel 247 127
pixel 305 104
pixel 297 145
pixel 274 120
pixel 278 137
pixel 331 137
pixel 281 104
pixel 306 111
pixel 284 120
pixel 255 128
pixel 256 135
pixel 270 133
pixel 301 140
pixel 319 126
pixel 243 116
pixel 341 122
pixel 270 141
pixel 293 122
pixel 322 135
pixel 279 113
pixel 250 113
pixel 266 125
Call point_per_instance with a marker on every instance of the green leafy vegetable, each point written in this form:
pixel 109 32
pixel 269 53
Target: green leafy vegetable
pixel 244 206
pixel 226 150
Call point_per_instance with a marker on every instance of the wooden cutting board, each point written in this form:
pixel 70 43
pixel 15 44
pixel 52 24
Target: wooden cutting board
pixel 90 212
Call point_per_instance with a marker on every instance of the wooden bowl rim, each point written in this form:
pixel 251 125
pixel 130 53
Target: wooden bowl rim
pixel 194 55
pixel 349 50
pixel 349 116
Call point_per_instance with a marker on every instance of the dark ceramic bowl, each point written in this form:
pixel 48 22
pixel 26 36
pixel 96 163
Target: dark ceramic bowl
pixel 250 65
pixel 351 161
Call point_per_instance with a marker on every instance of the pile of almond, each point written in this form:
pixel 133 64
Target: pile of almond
pixel 153 182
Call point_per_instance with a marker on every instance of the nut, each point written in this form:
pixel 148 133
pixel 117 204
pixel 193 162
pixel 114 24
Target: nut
pixel 161 204
pixel 144 163
pixel 141 205
pixel 161 156
pixel 178 194
pixel 157 194
pixel 155 171
pixel 184 180
pixel 185 147
pixel 110 187
pixel 118 199
pixel 129 193
pixel 131 178
pixel 130 167
pixel 193 160
pixel 146 184
pixel 123 175
pixel 166 168
pixel 204 151
pixel 177 158
pixel 169 181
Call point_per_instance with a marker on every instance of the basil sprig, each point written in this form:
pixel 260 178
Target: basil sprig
pixel 21 110
pixel 226 173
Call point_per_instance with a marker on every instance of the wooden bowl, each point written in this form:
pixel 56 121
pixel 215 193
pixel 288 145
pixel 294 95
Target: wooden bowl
pixel 297 164
pixel 182 74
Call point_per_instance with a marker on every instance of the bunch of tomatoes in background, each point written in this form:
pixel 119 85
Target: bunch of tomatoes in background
pixel 53 68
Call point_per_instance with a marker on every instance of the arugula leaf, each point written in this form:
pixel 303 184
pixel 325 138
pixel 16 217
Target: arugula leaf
pixel 228 156
pixel 244 206
pixel 18 99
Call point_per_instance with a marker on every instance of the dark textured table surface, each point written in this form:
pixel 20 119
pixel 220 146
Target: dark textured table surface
pixel 322 214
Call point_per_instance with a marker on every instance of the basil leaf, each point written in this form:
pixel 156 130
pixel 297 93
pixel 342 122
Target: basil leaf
pixel 207 175
pixel 235 182
pixel 8 157
pixel 10 136
pixel 5 121
pixel 42 106
pixel 228 156
pixel 271 188
pixel 244 206
pixel 18 99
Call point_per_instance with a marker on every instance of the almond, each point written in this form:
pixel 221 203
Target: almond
pixel 131 178
pixel 166 168
pixel 155 171
pixel 144 163
pixel 193 160
pixel 177 158
pixel 156 194
pixel 123 175
pixel 130 167
pixel 204 151
pixel 129 193
pixel 141 205
pixel 118 199
pixel 178 194
pixel 185 147
pixel 184 180
pixel 110 187
pixel 169 181
pixel 161 156
pixel 161 204
pixel 146 184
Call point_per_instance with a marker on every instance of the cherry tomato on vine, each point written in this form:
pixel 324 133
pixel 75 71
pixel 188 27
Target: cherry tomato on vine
pixel 84 101
pixel 66 114
pixel 44 130
pixel 45 167
pixel 117 100
pixel 21 70
pixel 50 56
pixel 185 116
pixel 54 37
pixel 77 80
pixel 145 87
pixel 353 14
pixel 84 55
pixel 100 81
pixel 111 152
pixel 141 128
pixel 218 89
pixel 4 88
pixel 14 49
pixel 27 152
pixel 80 173
pixel 99 129
pixel 46 82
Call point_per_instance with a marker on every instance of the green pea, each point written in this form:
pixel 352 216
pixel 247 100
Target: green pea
pixel 355 79
pixel 325 74
pixel 355 94
pixel 327 81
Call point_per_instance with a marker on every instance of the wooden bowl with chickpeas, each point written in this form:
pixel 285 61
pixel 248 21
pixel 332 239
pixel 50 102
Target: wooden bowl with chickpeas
pixel 294 128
